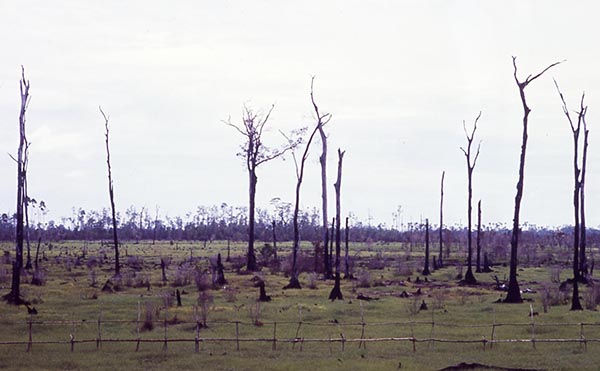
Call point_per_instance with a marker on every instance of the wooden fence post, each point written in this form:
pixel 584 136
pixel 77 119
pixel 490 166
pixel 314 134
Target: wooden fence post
pixel 30 342
pixel 493 328
pixel 137 327
pixel 197 337
pixel 166 341
pixel 72 336
pixel 274 347
pixel 362 331
pixel 99 337
pixel 582 337
pixel 532 325
pixel 237 335
pixel 296 338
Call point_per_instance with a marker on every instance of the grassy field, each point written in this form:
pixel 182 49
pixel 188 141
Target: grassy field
pixel 68 304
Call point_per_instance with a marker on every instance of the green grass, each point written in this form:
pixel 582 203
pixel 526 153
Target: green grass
pixel 67 296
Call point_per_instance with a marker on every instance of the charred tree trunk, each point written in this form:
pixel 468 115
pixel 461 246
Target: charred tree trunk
pixel 274 224
pixel 254 154
pixel 336 292
pixel 325 233
pixel 583 264
pixel 321 121
pixel 469 277
pixel 251 256
pixel 155 227
pixel 111 195
pixel 14 296
pixel 478 266
pixel 440 258
pixel 331 240
pixel 347 274
pixel 575 129
pixel 426 271
pixel 514 292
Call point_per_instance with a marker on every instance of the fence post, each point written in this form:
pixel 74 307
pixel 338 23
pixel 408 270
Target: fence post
pixel 582 337
pixel 412 334
pixel 237 335
pixel 296 338
pixel 431 342
pixel 493 328
pixel 165 344
pixel 274 347
pixel 99 337
pixel 30 342
pixel 362 331
pixel 137 327
pixel 532 325
pixel 197 337
pixel 72 336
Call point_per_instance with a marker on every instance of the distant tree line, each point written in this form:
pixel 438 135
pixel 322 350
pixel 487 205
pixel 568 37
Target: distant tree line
pixel 225 222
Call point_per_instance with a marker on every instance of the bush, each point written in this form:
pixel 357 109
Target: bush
pixel 4 276
pixel 135 262
pixel 312 279
pixel 202 280
pixel 591 297
pixel 363 278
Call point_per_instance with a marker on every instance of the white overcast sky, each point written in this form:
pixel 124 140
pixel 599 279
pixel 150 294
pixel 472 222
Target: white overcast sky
pixel 399 78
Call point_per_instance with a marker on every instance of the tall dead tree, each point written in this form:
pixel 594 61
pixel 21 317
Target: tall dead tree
pixel 426 271
pixel 111 195
pixel 514 293
pixel 336 292
pixel 347 273
pixel 583 271
pixel 294 282
pixel 14 296
pixel 469 277
pixel 577 176
pixel 323 118
pixel 478 265
pixel 440 258
pixel 255 153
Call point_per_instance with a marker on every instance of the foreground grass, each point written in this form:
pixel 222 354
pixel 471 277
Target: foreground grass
pixel 68 296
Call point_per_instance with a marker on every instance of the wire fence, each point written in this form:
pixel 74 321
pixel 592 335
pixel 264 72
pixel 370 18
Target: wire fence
pixel 297 333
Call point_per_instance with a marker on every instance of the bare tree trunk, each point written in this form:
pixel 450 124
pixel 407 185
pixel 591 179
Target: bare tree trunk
pixel 440 258
pixel 426 271
pixel 14 296
pixel 321 121
pixel 347 274
pixel 336 292
pixel 325 232
pixel 251 257
pixel 112 199
pixel 274 224
pixel 514 292
pixel 155 227
pixel 583 270
pixel 469 277
pixel 478 266
pixel 575 302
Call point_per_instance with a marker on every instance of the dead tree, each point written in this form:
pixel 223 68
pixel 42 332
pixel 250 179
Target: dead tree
pixel 478 265
pixel 254 154
pixel 111 195
pixel 336 292
pixel 469 277
pixel 322 119
pixel 347 273
pixel 583 271
pixel 14 296
pixel 426 271
pixel 514 293
pixel 440 258
pixel 294 282
pixel 575 129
